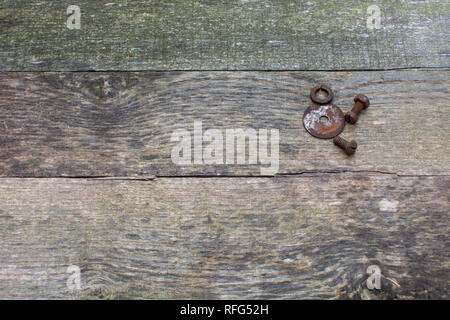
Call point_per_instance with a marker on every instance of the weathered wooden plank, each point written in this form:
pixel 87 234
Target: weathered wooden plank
pixel 284 237
pixel 223 35
pixel 120 124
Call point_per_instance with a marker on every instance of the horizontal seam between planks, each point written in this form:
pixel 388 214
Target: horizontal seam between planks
pixel 233 70
pixel 299 174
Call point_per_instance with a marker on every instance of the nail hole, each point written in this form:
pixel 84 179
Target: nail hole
pixel 324 120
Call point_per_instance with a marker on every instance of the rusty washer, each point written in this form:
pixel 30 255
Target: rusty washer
pixel 320 100
pixel 328 129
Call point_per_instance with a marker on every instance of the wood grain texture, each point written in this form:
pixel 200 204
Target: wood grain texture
pixel 120 124
pixel 284 237
pixel 223 35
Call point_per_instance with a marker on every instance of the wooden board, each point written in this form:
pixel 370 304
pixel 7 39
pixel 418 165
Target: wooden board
pixel 310 236
pixel 120 124
pixel 223 35
pixel 87 178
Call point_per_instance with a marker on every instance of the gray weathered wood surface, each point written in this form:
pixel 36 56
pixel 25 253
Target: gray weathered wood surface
pixel 86 176
pixel 120 124
pixel 223 35
pixel 310 236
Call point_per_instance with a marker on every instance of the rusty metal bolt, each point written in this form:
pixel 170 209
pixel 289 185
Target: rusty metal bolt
pixel 361 102
pixel 348 146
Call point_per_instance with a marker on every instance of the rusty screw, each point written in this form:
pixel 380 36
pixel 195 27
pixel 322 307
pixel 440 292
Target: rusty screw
pixel 361 102
pixel 348 146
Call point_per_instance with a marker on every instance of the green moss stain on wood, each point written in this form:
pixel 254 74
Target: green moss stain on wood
pixel 222 35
